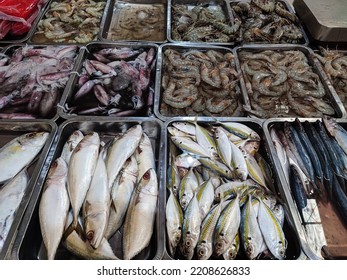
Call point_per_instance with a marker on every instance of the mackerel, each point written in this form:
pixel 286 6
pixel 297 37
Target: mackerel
pixel 71 144
pixel 144 155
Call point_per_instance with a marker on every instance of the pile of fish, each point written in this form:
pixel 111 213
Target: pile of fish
pixel 70 21
pixel 222 201
pixel 32 80
pixel 114 81
pixel 15 158
pixel 267 21
pixel 283 84
pixel 138 21
pixel 335 66
pixel 203 23
pixel 313 157
pixel 94 189
pixel 198 82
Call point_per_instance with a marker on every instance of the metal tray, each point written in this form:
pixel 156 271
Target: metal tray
pixel 183 48
pixel 10 130
pixel 336 243
pixel 21 39
pixel 325 21
pixel 294 236
pixel 43 40
pixel 116 15
pixel 28 243
pixel 190 4
pixel 304 41
pixel 10 50
pixel 71 87
pixel 331 95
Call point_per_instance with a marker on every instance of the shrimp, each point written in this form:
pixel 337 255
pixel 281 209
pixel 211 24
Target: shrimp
pixel 217 105
pixel 214 80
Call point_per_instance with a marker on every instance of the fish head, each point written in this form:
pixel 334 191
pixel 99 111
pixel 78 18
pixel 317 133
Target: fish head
pixel 204 250
pixel 35 139
pixel 280 250
pixel 184 201
pixel 231 253
pixel 95 227
pixel 149 183
pixel 220 245
pixel 174 239
pixel 330 125
pixel 188 246
pixel 58 169
pixel 250 249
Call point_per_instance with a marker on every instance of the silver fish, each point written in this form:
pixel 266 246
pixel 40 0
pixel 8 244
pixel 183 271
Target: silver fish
pixel 189 184
pixel 205 140
pixel 186 161
pixel 174 220
pixel 80 171
pixel 337 131
pixel 121 193
pixel 82 249
pixel 241 130
pixel 121 150
pixel 96 205
pixel 144 155
pixel 232 251
pixel 54 206
pixel 281 152
pixel 19 153
pixel 140 217
pixel 223 146
pixel 185 127
pixel 11 195
pixel 71 144
pixel 191 147
pixel 205 196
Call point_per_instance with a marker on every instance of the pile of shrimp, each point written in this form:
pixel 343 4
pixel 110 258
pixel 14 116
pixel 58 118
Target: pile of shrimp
pixel 267 21
pixel 335 66
pixel 198 82
pixel 70 21
pixel 283 84
pixel 203 23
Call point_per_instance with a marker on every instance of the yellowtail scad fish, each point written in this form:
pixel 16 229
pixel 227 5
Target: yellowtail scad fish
pixel 190 146
pixel 80 171
pixel 121 149
pixel 189 184
pixel 140 216
pixel 54 207
pixel 122 190
pixel 96 205
pixel 11 195
pixel 174 220
pixel 81 248
pixel 205 196
pixel 19 153
pixel 232 251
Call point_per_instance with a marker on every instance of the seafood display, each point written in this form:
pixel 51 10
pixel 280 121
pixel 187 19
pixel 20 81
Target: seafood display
pixel 138 21
pixel 70 21
pixel 266 21
pixel 100 194
pixel 313 157
pixel 114 80
pixel 283 83
pixel 207 21
pixel 222 202
pixel 334 64
pixel 16 157
pixel 32 79
pixel 199 81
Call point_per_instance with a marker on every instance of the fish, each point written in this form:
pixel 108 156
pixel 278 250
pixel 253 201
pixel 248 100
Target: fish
pixel 121 192
pixel 218 167
pixel 19 153
pixel 241 130
pixel 174 178
pixel 80 171
pixel 189 146
pixel 71 144
pixel 223 147
pixel 205 140
pixel 227 227
pixel 232 251
pixel 11 195
pixel 95 208
pixel 121 150
pixel 81 248
pixel 190 229
pixel 204 247
pixel 174 221
pixel 280 152
pixel 186 161
pixel 336 131
pixel 189 184
pixel 238 162
pixel 54 206
pixel 255 171
pixel 298 190
pixel 186 127
pixel 140 217
pixel 205 196
pixel 272 231
pixel 144 155
pixel 251 235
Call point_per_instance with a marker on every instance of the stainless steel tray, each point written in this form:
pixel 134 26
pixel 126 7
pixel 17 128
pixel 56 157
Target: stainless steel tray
pixel 142 9
pixel 21 39
pixel 10 130
pixel 36 39
pixel 182 47
pixel 330 95
pixel 336 243
pixel 11 49
pixel 325 21
pixel 72 85
pixel 28 243
pixel 294 236
pixel 304 40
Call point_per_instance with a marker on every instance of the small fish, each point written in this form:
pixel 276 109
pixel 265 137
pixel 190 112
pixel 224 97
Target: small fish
pixel 223 146
pixel 218 167
pixel 232 251
pixel 241 130
pixel 191 147
pixel 205 196
pixel 189 184
pixel 280 152
pixel 54 206
pixel 186 161
pixel 185 127
pixel 144 155
pixel 337 131
pixel 205 140
pixel 71 144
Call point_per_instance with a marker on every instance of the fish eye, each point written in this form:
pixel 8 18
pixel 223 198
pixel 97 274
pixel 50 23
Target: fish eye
pixel 90 235
pixel 147 175
pixel 31 135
